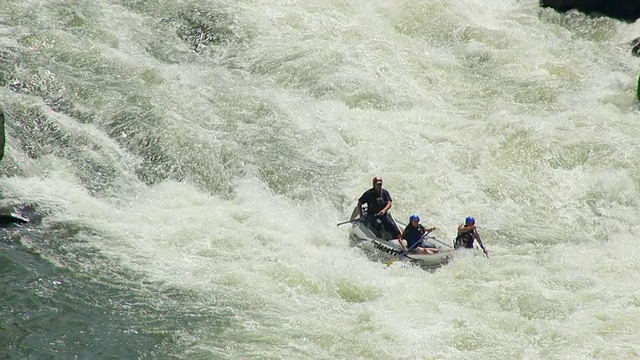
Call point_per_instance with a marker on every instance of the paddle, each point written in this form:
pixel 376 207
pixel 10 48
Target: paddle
pixel 404 253
pixel 481 244
pixel 348 222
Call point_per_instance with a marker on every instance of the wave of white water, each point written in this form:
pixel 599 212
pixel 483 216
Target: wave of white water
pixel 213 146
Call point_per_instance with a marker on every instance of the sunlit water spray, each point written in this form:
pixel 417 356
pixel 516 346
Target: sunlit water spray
pixel 192 159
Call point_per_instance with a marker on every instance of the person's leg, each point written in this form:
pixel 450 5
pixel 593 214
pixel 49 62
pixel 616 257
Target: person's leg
pixel 390 225
pixel 375 225
pixel 419 251
pixel 428 251
pixel 424 251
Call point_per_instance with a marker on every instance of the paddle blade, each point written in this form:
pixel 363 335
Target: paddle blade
pixel 402 254
pixel 348 222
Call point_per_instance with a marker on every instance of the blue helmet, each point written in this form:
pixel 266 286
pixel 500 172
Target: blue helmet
pixel 414 217
pixel 470 220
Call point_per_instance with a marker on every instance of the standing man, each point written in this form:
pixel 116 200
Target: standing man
pixel 378 202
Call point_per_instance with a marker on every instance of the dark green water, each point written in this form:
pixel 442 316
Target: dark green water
pixel 53 311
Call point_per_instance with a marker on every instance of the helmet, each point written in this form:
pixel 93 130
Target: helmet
pixel 470 220
pixel 414 217
pixel 376 180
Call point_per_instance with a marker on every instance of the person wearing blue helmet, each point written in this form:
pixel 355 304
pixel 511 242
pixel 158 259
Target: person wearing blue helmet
pixel 413 236
pixel 467 235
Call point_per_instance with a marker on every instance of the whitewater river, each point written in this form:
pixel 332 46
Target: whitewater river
pixel 186 163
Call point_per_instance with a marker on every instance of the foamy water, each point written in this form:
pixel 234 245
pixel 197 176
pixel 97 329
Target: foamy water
pixel 194 159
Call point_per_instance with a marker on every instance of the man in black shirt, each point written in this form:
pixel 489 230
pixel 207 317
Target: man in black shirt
pixel 378 202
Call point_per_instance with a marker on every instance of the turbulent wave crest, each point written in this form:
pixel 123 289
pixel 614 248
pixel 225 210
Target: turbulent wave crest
pixel 183 165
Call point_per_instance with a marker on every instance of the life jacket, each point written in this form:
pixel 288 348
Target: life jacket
pixel 413 234
pixel 465 240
